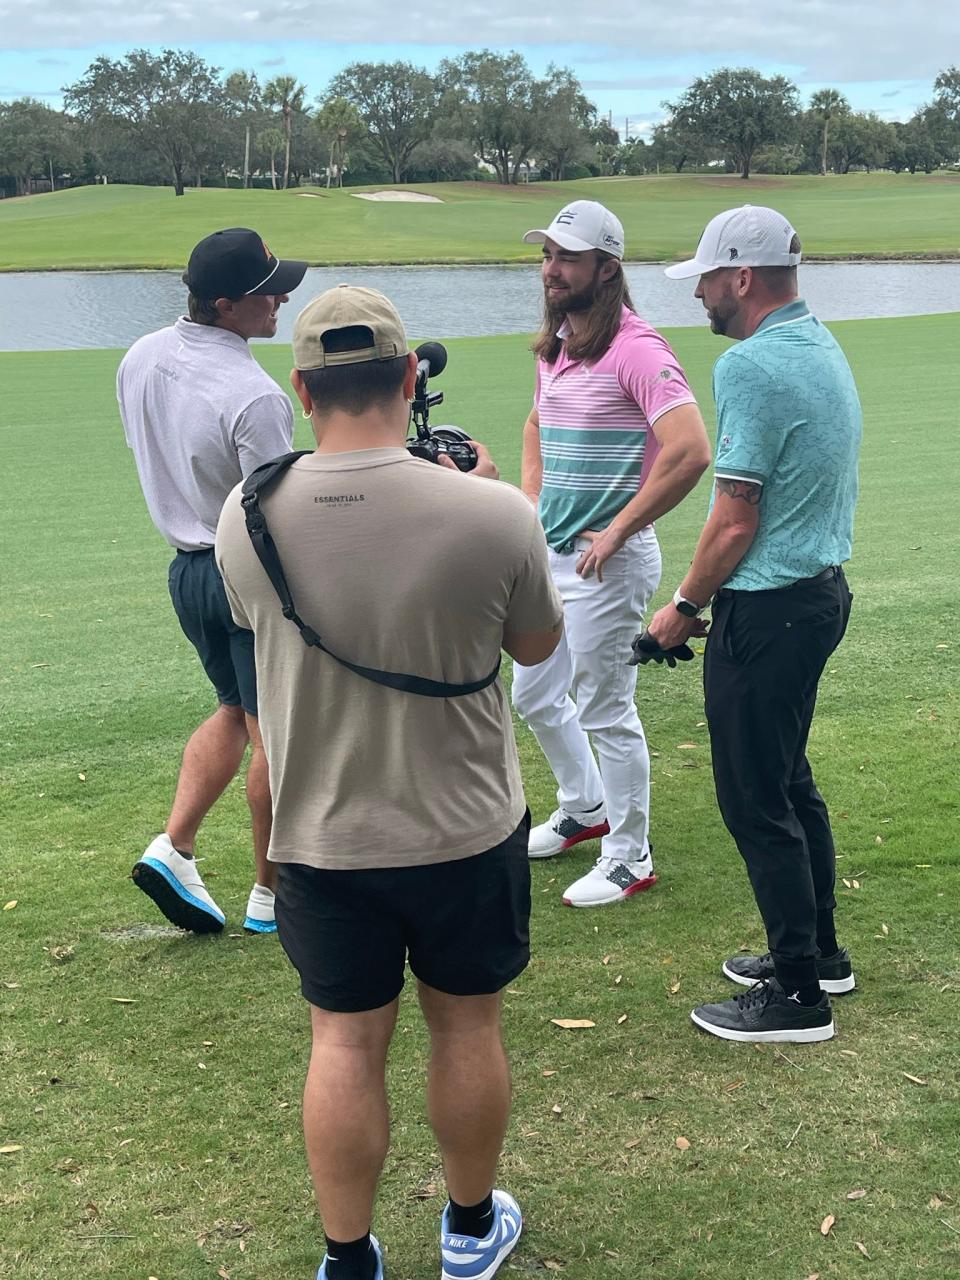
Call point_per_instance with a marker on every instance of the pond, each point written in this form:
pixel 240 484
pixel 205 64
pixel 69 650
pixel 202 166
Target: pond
pixel 44 311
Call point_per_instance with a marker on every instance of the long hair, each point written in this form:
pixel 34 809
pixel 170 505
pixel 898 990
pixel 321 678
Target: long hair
pixel 599 324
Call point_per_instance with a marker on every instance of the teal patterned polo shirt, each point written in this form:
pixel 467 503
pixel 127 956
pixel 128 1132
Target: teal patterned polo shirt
pixel 789 418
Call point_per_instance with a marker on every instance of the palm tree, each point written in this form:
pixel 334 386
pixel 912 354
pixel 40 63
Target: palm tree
pixel 271 140
pixel 336 122
pixel 285 93
pixel 827 103
pixel 243 93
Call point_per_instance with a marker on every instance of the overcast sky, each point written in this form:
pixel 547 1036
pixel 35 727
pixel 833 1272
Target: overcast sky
pixel 882 54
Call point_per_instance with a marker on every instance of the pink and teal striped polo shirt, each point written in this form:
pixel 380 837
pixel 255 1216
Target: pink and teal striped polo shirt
pixel 595 427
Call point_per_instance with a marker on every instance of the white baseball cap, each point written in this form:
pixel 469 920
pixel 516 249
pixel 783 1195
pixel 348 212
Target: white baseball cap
pixel 582 225
pixel 751 236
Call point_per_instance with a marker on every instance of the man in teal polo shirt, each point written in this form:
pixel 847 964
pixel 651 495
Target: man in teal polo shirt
pixel 769 557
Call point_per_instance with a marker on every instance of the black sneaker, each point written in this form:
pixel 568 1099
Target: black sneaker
pixel 766 1012
pixel 835 972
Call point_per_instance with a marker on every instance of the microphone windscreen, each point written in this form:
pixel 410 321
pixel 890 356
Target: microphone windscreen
pixel 435 354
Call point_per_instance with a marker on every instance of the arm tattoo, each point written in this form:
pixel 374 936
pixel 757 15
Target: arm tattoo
pixel 745 489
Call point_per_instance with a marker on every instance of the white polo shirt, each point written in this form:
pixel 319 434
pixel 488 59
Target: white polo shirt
pixel 199 414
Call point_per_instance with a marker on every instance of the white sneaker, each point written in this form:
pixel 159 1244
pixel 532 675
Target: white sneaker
pixel 175 885
pixel 562 831
pixel 610 881
pixel 260 917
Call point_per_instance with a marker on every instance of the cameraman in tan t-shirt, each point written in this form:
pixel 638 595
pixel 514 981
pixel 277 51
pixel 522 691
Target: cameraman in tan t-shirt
pixel 399 820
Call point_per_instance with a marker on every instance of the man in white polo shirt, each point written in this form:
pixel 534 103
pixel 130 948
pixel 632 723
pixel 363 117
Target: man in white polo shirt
pixel 614 441
pixel 200 414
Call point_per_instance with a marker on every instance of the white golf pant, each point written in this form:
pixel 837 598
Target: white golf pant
pixel 587 691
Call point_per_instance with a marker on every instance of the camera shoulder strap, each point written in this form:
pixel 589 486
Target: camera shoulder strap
pixel 256 484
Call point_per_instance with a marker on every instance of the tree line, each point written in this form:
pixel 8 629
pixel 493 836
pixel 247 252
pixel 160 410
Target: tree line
pixel 170 118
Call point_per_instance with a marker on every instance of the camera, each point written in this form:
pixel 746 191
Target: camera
pixel 430 442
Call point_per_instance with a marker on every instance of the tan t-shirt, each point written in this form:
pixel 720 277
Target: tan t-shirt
pixel 401 565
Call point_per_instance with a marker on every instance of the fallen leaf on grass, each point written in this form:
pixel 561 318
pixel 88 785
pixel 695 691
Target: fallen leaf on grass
pixel 557 1109
pixel 735 1084
pixel 827 1224
pixel 12 986
pixel 607 959
pixel 621 1020
pixel 618 979
pixel 634 1142
pixel 682 1144
pixel 848 884
pixel 572 1024
pixel 856 884
pixel 425 1192
pixel 61 954
pixel 9 906
pixel 10 1149
pixel 936 1202
pixel 687 746
pixel 856 1195
pixel 863 1250
pixel 814 1275
pixel 849 1053
pixel 82 777
pixel 126 1142
pixel 121 1000
pixel 675 988
pixel 913 1079
pixel 223 1273
pixel 551 1264
pixel 548 1074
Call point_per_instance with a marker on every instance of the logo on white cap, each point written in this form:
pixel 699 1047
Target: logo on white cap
pixel 751 236
pixel 582 225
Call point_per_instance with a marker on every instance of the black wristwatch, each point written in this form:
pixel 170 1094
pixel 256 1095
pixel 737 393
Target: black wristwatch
pixel 685 606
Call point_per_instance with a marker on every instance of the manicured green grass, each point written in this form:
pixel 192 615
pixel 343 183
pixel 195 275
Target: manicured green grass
pixel 847 216
pixel 158 1137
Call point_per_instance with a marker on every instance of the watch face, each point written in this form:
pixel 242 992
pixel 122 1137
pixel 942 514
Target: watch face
pixel 686 607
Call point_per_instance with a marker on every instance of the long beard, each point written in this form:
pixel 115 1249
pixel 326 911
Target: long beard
pixel 580 301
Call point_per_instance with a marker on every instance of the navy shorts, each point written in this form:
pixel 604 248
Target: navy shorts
pixel 226 650
pixel 464 925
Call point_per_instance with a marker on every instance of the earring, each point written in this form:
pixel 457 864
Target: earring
pixel 306 414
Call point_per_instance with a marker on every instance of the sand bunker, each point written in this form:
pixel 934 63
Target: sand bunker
pixel 407 196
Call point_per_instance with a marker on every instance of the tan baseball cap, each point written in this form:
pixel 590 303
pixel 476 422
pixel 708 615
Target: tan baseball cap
pixel 345 307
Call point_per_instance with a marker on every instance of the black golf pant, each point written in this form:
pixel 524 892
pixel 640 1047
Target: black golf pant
pixel 764 657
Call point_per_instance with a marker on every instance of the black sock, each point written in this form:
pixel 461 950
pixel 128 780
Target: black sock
pixel 183 853
pixel 807 995
pixel 826 934
pixel 799 982
pixel 351 1260
pixel 472 1220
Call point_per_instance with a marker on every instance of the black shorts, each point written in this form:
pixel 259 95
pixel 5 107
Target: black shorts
pixel 226 650
pixel 465 926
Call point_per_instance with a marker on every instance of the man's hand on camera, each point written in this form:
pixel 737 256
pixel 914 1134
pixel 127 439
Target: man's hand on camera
pixel 486 468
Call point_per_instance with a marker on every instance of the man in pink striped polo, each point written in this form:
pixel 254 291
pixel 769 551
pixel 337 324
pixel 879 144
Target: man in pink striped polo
pixel 614 441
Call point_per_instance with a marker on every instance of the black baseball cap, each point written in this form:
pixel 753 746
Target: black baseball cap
pixel 235 263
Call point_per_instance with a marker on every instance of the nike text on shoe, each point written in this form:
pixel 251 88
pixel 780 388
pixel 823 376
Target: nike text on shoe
pixel 469 1258
pixel 766 1013
pixel 322 1274
pixel 562 831
pixel 260 915
pixel 610 881
pixel 175 885
pixel 835 972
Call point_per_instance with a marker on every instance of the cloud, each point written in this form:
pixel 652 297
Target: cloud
pixel 52 62
pixel 273 62
pixel 891 93
pixel 829 42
